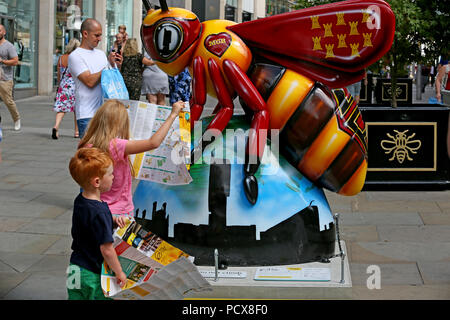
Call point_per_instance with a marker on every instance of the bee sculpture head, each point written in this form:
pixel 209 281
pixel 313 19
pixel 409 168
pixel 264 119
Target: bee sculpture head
pixel 169 35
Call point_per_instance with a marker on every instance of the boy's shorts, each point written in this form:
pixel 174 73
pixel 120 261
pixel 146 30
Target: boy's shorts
pixel 87 288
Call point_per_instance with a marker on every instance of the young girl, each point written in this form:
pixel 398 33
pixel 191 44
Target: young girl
pixel 109 131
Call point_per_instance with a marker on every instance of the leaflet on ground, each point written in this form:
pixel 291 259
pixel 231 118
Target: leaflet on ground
pixel 169 163
pixel 155 269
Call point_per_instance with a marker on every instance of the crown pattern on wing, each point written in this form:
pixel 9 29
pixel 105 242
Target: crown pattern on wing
pixel 340 19
pixel 341 38
pixel 315 22
pixel 367 40
pixel 354 28
pixel 328 32
pixel 317 45
pixel 330 53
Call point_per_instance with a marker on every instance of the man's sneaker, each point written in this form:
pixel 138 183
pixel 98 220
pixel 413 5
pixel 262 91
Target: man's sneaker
pixel 17 125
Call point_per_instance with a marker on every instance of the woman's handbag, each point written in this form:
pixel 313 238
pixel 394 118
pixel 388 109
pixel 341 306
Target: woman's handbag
pixel 113 86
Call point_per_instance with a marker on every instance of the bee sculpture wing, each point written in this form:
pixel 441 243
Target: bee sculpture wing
pixel 331 43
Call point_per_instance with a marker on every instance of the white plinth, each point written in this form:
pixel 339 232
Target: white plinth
pixel 248 288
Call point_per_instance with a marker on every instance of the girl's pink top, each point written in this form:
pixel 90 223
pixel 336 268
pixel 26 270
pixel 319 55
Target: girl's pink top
pixel 119 198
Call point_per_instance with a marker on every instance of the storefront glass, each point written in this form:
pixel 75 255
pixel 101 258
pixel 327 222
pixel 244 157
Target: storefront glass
pixel 20 21
pixel 68 18
pixel 230 10
pixel 118 12
pixel 274 7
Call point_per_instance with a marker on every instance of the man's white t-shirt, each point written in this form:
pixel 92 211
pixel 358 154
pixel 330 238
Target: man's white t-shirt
pixel 87 100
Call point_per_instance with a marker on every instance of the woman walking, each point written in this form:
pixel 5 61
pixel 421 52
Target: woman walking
pixel 132 68
pixel 65 96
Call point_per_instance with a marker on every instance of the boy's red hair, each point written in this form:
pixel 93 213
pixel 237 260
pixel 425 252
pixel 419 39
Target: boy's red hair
pixel 88 163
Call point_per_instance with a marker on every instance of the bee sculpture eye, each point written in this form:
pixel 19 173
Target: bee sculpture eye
pixel 168 38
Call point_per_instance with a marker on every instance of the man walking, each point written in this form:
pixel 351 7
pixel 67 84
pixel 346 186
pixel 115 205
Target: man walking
pixel 86 64
pixel 8 59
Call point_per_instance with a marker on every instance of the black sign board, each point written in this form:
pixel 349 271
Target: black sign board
pixel 407 147
pixel 383 91
pixel 402 146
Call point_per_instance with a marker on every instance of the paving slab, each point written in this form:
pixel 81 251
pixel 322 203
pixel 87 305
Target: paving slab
pixel 435 218
pixel 386 252
pixel 32 209
pixel 50 263
pixel 390 274
pixel 59 200
pixel 19 262
pixel 402 292
pixel 384 196
pixel 435 272
pixel 380 218
pixel 68 187
pixel 398 206
pixel 359 233
pixel 10 280
pixel 434 233
pixel 444 205
pixel 40 286
pixel 26 243
pixel 10 224
pixel 61 247
pixel 46 226
pixel 18 195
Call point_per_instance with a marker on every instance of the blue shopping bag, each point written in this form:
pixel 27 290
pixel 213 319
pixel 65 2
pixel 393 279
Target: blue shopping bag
pixel 113 86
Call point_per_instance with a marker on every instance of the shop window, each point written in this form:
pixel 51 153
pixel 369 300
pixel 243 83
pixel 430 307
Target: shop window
pixel 20 21
pixel 230 13
pixel 68 18
pixel 246 16
pixel 118 12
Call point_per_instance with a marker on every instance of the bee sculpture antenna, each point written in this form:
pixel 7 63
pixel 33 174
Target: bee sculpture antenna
pixel 163 5
pixel 147 5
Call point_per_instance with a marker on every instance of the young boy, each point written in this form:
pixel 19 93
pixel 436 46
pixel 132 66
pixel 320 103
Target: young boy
pixel 92 225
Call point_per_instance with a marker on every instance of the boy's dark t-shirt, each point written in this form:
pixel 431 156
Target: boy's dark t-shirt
pixel 92 226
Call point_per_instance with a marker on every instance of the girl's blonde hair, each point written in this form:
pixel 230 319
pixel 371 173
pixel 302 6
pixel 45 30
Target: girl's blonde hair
pixel 109 122
pixel 72 45
pixel 131 48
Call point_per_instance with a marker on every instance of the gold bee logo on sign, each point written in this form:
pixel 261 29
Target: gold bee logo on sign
pixel 401 146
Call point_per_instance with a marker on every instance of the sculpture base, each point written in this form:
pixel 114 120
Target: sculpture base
pixel 248 288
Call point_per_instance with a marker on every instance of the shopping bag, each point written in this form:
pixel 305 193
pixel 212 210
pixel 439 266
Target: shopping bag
pixel 113 86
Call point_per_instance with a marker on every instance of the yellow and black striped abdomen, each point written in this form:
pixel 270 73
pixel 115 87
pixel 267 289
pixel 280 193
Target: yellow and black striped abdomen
pixel 322 132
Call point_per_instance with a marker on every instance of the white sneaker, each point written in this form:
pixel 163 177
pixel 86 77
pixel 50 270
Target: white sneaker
pixel 17 125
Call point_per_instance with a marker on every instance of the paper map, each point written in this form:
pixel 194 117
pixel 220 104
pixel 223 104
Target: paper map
pixel 155 269
pixel 168 163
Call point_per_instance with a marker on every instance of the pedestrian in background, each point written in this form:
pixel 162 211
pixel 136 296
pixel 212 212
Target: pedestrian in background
pixel 155 84
pixel 8 59
pixel 442 79
pixel 355 88
pixel 86 64
pixel 65 95
pixel 132 67
pixel 123 30
pixel 118 44
pixel 180 86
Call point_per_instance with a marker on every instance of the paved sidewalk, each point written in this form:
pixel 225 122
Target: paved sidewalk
pixel 405 234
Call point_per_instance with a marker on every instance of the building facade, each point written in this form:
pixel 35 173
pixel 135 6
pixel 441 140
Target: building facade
pixel 40 29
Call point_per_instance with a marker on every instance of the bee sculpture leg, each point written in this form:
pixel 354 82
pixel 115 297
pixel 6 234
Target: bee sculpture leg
pixel 260 123
pixel 224 112
pixel 198 90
